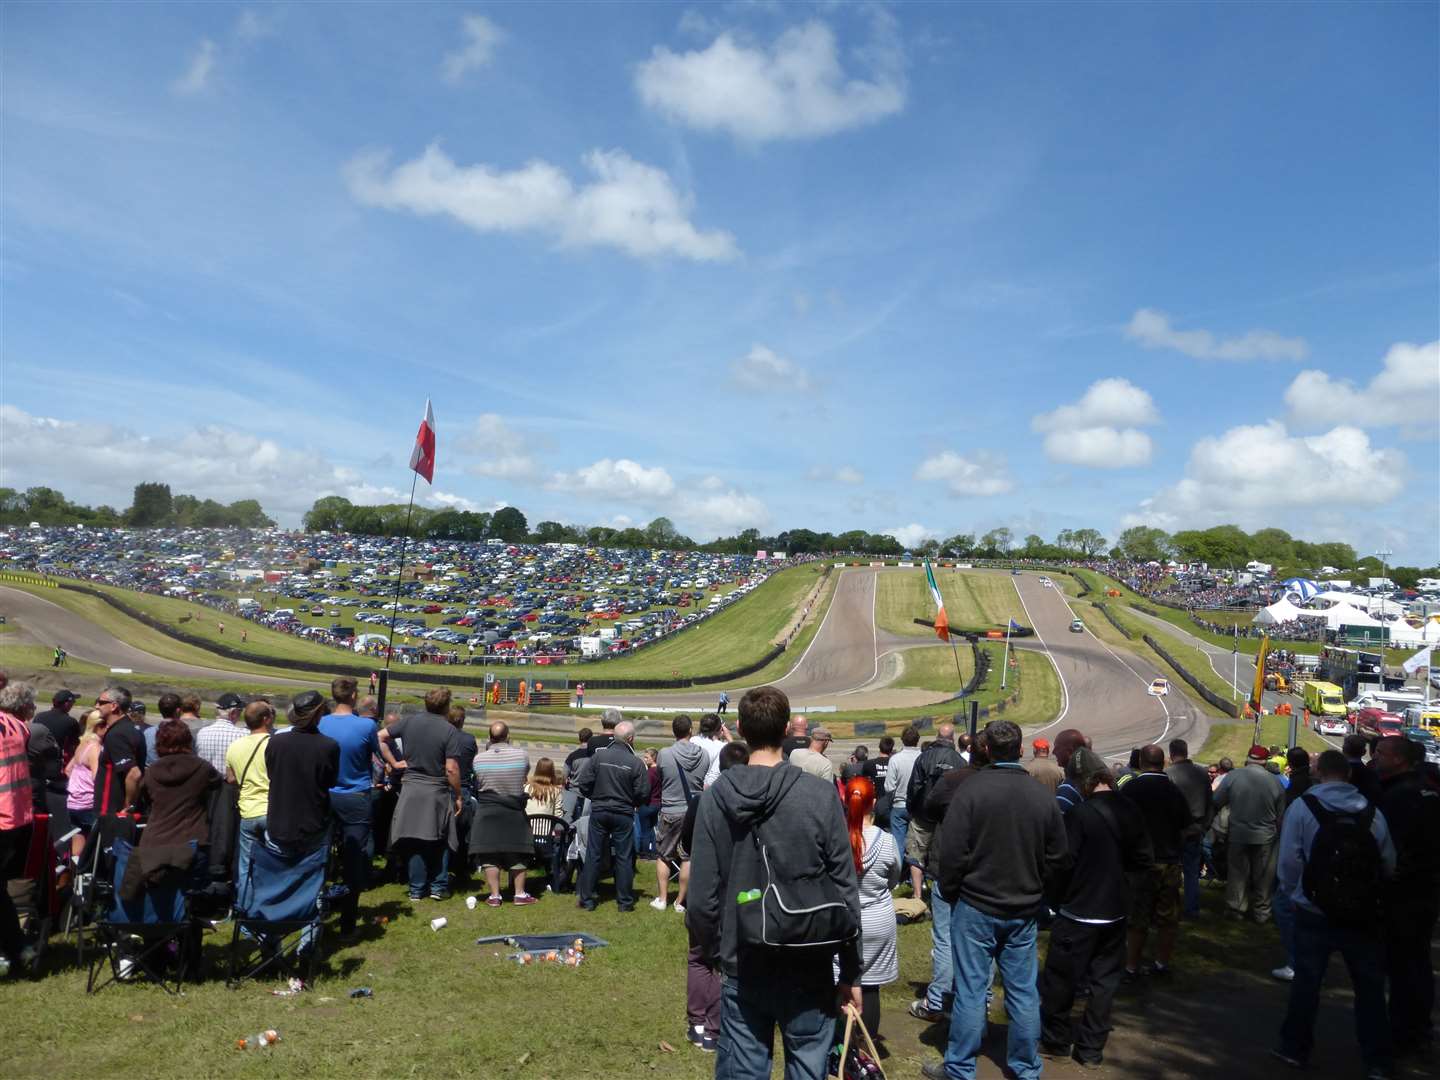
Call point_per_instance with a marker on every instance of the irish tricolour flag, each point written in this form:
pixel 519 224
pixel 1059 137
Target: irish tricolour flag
pixel 942 624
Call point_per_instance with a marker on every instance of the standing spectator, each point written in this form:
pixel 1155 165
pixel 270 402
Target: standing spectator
pixel 877 865
pixel 815 758
pixel 147 730
pixel 1004 840
pixel 1298 782
pixel 682 767
pixel 856 765
pixel 1066 743
pixel 795 821
pixel 1109 846
pixel 797 736
pixel 712 740
pixel 615 783
pixel 430 798
pixel 1155 892
pixel 544 793
pixel 580 753
pixel 609 721
pixel 122 755
pixel 1362 776
pixel 501 835
pixel 17 815
pixel 47 780
pixel 352 795
pixel 1256 801
pixel 215 739
pixel 1194 784
pixel 1333 872
pixel 245 767
pixel 80 786
pixel 1410 900
pixel 175 791
pixel 459 862
pixel 933 763
pixel 64 727
pixel 1043 767
pixel 1298 777
pixel 648 812
pixel 723 705
pixel 875 770
pixel 897 784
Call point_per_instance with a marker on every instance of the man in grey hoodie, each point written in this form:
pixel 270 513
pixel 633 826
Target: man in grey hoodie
pixel 804 833
pixel 1317 934
pixel 682 767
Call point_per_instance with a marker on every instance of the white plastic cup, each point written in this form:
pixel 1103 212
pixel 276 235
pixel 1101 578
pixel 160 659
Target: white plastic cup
pixel 471 902
pixel 439 924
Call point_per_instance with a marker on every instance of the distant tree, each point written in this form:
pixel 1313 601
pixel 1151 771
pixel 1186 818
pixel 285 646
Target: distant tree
pixel 508 524
pixel 247 514
pixel 1274 546
pixel 327 514
pixel 958 545
pixel 1223 545
pixel 550 532
pixel 1033 545
pixel 151 507
pixel 997 542
pixel 1141 543
pixel 630 538
pixel 930 548
pixel 1089 542
pixel 1065 540
pixel 446 524
pixel 661 533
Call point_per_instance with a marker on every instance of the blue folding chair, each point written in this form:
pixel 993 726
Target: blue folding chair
pixel 151 937
pixel 281 922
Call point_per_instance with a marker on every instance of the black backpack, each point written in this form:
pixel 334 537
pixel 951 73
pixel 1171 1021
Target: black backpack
pixel 1343 871
pixel 934 763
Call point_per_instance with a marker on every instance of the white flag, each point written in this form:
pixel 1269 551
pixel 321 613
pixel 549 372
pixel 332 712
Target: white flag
pixel 1419 660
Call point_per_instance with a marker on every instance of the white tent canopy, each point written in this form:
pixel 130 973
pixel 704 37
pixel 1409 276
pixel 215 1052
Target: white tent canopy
pixel 1282 611
pixel 1345 615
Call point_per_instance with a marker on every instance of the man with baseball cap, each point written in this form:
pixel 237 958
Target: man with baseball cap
pixel 813 759
pixel 1256 800
pixel 1043 767
pixel 63 727
pixel 215 739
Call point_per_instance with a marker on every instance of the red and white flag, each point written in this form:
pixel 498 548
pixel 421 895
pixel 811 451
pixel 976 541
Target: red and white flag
pixel 422 458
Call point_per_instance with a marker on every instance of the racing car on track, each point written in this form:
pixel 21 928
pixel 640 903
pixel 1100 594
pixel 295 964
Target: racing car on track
pixel 1159 687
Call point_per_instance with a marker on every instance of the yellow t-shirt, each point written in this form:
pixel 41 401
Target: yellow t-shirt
pixel 255 791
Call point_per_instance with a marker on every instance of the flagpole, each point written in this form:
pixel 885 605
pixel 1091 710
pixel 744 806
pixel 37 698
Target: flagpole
pixel 1235 664
pixel 1005 667
pixel 395 605
pixel 955 652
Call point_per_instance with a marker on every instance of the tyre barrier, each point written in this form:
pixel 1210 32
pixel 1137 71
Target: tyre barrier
pixel 1114 621
pixel 1227 707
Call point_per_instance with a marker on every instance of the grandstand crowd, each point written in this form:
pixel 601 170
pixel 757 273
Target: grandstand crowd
pixel 791 870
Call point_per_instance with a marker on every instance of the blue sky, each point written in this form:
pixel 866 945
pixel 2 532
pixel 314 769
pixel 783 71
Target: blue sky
pixel 918 269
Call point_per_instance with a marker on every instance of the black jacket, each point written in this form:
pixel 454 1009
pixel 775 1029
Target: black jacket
pixel 1300 781
pixel 1412 812
pixel 615 779
pixel 1166 813
pixel 934 761
pixel 805 827
pixel 1194 784
pixel 1004 839
pixel 1107 840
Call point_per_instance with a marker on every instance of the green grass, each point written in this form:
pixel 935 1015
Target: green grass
pixel 933 668
pixel 973 599
pixel 1234 740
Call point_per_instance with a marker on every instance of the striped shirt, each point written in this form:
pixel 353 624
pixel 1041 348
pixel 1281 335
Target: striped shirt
pixel 502 768
pixel 214 739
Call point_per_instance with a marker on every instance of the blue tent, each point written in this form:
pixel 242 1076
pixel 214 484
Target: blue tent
pixel 1303 588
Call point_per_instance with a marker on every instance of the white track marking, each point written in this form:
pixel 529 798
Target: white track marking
pixel 1064 689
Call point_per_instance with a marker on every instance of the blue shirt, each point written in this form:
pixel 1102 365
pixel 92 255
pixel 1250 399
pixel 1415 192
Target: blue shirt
pixel 359 738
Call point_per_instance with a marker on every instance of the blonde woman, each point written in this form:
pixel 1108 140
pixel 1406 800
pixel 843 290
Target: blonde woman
pixel 81 774
pixel 543 792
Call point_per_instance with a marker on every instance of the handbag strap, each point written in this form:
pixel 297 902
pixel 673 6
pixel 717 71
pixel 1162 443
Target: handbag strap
pixel 246 771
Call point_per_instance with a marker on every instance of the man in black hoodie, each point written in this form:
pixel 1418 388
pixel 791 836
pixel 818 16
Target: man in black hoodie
pixel 756 823
pixel 1003 840
pixel 1108 842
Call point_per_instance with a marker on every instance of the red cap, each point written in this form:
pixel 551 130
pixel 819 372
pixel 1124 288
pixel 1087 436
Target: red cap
pixel 1041 744
pixel 1259 753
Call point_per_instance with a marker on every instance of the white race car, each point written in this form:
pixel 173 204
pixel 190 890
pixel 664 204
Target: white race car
pixel 1159 687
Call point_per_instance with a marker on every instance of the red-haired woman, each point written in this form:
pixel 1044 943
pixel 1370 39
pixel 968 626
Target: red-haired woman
pixel 877 865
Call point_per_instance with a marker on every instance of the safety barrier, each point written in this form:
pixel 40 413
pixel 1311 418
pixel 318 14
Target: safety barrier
pixel 1227 707
pixel 1114 621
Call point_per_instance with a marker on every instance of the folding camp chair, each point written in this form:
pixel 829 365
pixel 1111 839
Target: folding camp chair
pixel 281 925
pixel 551 836
pixel 151 937
pixel 93 884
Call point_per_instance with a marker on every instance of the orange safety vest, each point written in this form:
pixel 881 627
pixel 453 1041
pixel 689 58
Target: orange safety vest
pixel 17 807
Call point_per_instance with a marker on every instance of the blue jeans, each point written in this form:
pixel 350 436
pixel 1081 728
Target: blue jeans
pixel 942 959
pixel 429 866
pixel 252 832
pixel 1283 908
pixel 616 830
pixel 1363 952
pixel 899 827
pixel 351 811
pixel 979 941
pixel 645 819
pixel 749 1013
pixel 1190 858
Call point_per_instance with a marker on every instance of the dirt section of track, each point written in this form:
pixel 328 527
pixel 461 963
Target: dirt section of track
pixel 1104 692
pixel 51 624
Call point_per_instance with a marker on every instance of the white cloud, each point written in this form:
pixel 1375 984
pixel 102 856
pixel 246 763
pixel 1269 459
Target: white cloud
pixel 1404 393
pixel 196 76
pixel 1152 330
pixel 620 478
pixel 1253 475
pixel 500 449
pixel 628 205
pixel 481 37
pixel 96 463
pixel 723 511
pixel 910 536
pixel 847 474
pixel 980 473
pixel 843 474
pixel 766 371
pixel 795 89
pixel 1101 430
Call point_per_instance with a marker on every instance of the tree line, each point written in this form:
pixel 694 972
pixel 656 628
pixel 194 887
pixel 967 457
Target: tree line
pixel 1223 546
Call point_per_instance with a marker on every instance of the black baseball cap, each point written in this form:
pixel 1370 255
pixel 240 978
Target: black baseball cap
pixel 307 706
pixel 62 698
pixel 230 700
pixel 137 708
